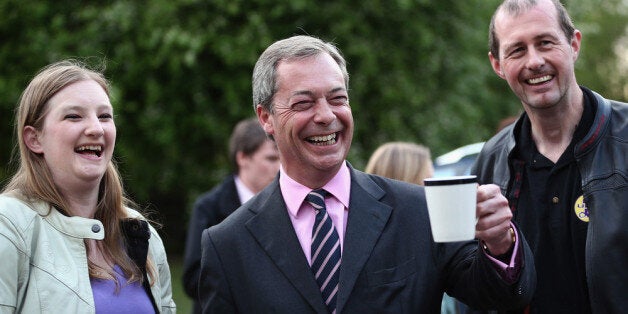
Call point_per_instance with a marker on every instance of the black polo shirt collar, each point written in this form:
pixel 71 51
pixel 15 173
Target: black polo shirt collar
pixel 526 149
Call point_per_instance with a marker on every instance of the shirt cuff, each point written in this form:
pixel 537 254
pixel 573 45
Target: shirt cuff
pixel 508 272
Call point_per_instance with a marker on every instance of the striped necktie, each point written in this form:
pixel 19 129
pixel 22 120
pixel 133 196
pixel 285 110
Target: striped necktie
pixel 325 250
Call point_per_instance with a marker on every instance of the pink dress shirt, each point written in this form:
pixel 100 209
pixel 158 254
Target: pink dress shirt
pixel 302 214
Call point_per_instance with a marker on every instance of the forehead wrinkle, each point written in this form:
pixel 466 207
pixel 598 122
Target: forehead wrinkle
pixel 312 94
pixel 302 93
pixel 337 89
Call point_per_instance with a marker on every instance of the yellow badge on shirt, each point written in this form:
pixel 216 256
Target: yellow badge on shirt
pixel 581 209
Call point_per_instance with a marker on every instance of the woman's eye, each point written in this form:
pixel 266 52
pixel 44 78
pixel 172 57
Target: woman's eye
pixel 105 116
pixel 72 116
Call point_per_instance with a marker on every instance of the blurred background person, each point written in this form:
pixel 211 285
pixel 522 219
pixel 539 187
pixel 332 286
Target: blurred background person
pixel 402 161
pixel 69 241
pixel 255 163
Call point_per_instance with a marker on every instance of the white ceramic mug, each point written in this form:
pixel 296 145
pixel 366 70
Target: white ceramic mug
pixel 451 203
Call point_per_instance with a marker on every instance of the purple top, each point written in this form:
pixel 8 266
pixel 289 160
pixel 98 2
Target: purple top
pixel 131 298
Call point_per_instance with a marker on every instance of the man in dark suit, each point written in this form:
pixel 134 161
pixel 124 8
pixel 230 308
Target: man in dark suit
pixel 376 253
pixel 255 162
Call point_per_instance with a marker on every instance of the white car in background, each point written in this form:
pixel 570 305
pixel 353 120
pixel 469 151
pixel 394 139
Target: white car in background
pixel 457 162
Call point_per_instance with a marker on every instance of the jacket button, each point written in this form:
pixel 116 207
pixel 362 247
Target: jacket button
pixel 95 228
pixel 555 199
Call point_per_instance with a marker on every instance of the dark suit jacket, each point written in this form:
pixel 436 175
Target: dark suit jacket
pixel 209 209
pixel 253 263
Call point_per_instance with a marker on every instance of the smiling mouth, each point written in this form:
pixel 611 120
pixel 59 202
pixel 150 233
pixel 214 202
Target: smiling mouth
pixel 322 140
pixel 95 150
pixel 539 80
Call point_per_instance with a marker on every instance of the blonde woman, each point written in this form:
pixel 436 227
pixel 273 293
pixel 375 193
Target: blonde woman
pixel 402 161
pixel 69 241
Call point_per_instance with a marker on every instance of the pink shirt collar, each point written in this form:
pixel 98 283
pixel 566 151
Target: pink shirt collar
pixel 294 192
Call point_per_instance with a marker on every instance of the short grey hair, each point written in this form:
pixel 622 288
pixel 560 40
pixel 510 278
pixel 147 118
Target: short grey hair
pixel 293 48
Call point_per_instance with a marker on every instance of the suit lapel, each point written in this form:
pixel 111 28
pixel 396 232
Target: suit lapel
pixel 367 219
pixel 229 199
pixel 273 230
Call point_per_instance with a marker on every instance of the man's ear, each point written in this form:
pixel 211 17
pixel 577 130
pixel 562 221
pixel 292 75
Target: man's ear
pixel 496 65
pixel 240 159
pixel 575 44
pixel 265 120
pixel 30 137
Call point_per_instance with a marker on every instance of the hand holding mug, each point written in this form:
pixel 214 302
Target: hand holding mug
pixel 494 215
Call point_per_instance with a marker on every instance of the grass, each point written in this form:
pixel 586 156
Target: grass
pixel 184 303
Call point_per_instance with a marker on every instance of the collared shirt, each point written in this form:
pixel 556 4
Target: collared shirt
pixel 244 193
pixel 302 214
pixel 509 272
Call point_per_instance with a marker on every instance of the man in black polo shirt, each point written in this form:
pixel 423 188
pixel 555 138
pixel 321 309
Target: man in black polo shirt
pixel 562 165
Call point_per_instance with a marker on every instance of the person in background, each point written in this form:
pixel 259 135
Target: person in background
pixel 324 237
pixel 563 165
pixel 69 240
pixel 402 161
pixel 255 161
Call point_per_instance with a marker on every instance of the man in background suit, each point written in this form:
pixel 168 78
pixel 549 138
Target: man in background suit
pixel 258 259
pixel 255 161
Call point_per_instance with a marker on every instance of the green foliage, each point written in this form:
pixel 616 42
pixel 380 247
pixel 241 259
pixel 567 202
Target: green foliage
pixel 181 74
pixel 603 24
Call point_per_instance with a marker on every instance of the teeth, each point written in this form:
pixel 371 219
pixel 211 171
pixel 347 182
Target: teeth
pixel 540 79
pixel 324 139
pixel 90 147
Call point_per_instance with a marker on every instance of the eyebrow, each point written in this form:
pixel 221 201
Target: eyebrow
pixel 309 93
pixel 80 107
pixel 337 89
